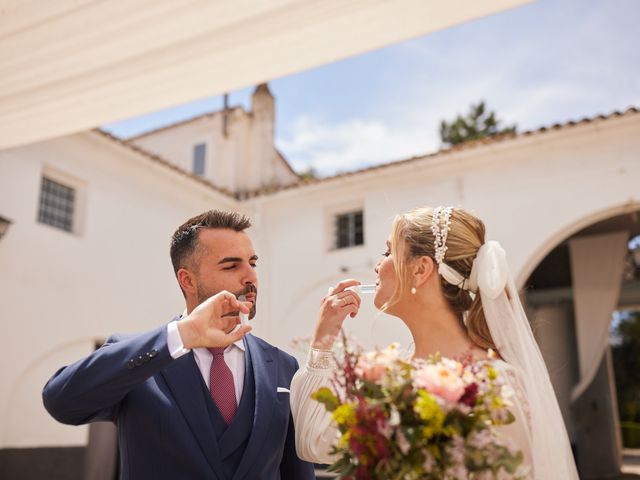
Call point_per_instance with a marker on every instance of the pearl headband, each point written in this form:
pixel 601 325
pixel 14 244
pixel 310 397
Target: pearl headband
pixel 440 226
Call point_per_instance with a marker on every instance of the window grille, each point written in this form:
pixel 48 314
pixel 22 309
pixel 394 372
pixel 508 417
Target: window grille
pixel 349 228
pixel 57 203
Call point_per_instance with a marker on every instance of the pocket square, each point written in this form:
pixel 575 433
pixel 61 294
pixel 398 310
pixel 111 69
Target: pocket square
pixel 282 389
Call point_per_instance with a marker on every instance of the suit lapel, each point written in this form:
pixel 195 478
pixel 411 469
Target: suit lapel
pixel 185 382
pixel 265 371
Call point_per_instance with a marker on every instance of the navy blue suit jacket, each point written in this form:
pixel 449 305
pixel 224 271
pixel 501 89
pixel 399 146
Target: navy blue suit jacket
pixel 164 429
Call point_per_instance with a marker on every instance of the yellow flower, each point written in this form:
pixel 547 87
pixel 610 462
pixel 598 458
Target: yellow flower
pixel 428 409
pixel 345 415
pixel 496 402
pixel 344 440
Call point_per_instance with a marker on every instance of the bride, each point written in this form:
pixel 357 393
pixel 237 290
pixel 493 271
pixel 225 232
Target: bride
pixel 454 292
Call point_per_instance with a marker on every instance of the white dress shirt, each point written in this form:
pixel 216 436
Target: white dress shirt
pixel 233 357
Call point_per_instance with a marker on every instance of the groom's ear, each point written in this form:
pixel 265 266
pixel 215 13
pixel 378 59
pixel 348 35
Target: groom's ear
pixel 423 269
pixel 187 281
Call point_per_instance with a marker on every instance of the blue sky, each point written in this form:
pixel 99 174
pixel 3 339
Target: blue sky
pixel 547 62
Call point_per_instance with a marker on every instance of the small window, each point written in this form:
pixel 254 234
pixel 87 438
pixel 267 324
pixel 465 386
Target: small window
pixel 57 204
pixel 349 229
pixel 199 158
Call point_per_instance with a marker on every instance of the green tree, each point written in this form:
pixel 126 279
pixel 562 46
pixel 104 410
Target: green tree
pixel 479 123
pixel 626 364
pixel 309 174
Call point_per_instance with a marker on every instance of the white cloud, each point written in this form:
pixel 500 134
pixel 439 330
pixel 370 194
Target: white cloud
pixel 356 143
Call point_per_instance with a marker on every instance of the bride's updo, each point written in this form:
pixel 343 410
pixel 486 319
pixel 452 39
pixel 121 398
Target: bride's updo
pixel 412 237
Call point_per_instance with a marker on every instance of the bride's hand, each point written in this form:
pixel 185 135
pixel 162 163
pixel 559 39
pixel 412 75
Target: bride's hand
pixel 334 308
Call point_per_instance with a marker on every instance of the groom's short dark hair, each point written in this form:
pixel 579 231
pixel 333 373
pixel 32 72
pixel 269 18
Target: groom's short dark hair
pixel 184 241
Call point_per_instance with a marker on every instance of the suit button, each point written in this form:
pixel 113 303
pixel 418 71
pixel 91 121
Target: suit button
pixel 130 364
pixel 153 353
pixel 138 361
pixel 146 357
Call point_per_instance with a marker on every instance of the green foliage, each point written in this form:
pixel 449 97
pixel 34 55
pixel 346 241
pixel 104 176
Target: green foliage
pixel 626 361
pixel 326 397
pixel 309 174
pixel 630 434
pixel 479 123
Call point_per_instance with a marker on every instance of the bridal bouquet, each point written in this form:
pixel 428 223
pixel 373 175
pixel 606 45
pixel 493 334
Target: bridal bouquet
pixel 408 420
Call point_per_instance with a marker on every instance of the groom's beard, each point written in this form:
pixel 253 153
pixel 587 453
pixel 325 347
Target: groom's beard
pixel 204 294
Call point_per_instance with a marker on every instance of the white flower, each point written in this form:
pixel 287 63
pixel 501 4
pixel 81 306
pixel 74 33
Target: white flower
pixel 429 461
pixel 480 439
pixel 456 450
pixel 394 417
pixel 457 472
pixel 506 392
pixel 384 428
pixel 403 443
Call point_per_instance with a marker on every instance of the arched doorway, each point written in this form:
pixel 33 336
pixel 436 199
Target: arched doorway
pixel 572 295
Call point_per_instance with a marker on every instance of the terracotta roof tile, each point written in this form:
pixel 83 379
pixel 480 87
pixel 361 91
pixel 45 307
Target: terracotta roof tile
pixel 270 190
pixel 464 146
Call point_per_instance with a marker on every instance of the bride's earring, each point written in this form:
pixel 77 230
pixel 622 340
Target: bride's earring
pixel 413 290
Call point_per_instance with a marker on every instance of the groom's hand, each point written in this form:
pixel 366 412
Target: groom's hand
pixel 207 326
pixel 334 308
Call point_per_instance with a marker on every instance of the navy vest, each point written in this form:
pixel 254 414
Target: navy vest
pixel 232 439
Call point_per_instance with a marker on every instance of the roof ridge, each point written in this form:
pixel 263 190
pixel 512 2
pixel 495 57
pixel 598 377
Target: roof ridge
pixel 304 182
pixel 180 123
pixel 164 162
pixel 456 148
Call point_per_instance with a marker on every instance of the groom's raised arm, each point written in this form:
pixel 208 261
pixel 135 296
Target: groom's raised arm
pixel 91 388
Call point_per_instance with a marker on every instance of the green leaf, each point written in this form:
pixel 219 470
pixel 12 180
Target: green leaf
pixel 343 466
pixel 326 397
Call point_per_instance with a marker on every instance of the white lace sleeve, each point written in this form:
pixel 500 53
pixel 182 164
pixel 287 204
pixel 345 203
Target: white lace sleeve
pixel 315 431
pixel 518 432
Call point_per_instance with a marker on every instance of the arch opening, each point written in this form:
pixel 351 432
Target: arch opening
pixel 594 402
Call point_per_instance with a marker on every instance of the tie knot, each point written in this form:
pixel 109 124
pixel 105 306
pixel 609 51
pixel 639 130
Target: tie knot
pixel 217 351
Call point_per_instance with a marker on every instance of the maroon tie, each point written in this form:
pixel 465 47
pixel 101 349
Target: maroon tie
pixel 221 385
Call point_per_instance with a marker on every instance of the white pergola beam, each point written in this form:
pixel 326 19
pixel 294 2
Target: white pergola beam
pixel 71 65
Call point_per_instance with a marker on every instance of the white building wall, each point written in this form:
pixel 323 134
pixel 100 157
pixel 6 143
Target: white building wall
pixel 532 193
pixel 62 292
pixel 176 145
pixel 244 160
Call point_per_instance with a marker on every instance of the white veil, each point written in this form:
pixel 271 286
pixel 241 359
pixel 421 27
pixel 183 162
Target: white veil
pixel 512 335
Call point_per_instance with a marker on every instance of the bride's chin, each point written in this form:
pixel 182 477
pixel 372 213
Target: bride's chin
pixel 378 303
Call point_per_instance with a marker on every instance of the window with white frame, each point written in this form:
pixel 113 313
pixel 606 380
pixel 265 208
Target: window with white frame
pixel 349 229
pixel 199 158
pixel 57 204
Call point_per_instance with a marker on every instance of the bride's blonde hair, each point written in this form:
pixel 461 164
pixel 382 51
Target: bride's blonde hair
pixel 412 238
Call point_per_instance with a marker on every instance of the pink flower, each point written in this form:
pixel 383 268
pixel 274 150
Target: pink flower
pixel 403 443
pixel 373 365
pixel 370 370
pixel 441 381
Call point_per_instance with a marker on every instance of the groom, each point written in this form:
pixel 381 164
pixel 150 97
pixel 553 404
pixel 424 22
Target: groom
pixel 194 398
